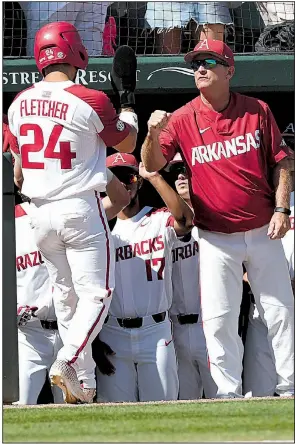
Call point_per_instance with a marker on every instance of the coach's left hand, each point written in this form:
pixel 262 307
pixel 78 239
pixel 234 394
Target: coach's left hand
pixel 278 226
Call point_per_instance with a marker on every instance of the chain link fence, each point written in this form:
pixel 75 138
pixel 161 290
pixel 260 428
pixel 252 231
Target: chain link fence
pixel 153 28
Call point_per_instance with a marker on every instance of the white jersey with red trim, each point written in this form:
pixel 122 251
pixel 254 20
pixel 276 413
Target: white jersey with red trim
pixel 185 276
pixel 288 240
pixel 62 131
pixel 143 246
pixel 33 284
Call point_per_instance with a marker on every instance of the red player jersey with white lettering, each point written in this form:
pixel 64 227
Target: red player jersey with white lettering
pixel 288 240
pixel 33 284
pixel 185 276
pixel 62 131
pixel 229 157
pixel 143 246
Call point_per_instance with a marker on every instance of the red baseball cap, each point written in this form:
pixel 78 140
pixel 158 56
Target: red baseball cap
pixel 176 159
pixel 289 130
pixel 122 160
pixel 216 48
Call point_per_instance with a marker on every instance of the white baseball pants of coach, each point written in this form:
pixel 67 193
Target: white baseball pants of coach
pixel 192 360
pixel 37 350
pixel 74 239
pixel 145 363
pixel 260 376
pixel 221 274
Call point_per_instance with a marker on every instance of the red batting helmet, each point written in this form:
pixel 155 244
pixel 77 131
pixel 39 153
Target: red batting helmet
pixel 59 42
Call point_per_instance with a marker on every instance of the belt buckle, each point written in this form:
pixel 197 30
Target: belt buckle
pixel 123 321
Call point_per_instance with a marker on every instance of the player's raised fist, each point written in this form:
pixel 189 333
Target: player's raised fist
pixel 158 121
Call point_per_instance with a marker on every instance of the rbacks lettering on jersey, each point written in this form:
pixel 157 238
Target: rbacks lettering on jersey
pixel 142 248
pixel 185 251
pixel 143 264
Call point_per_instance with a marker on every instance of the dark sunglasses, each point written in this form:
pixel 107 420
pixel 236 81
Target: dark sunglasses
pixel 178 168
pixel 126 178
pixel 207 64
pixel 289 141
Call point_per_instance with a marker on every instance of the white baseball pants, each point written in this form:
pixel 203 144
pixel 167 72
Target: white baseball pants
pixel 260 376
pixel 221 273
pixel 145 363
pixel 75 241
pixel 37 350
pixel 192 360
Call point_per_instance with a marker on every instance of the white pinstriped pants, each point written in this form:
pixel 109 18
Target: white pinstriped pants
pixel 76 244
pixel 221 274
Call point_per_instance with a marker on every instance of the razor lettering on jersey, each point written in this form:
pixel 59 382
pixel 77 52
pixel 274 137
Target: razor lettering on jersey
pixel 228 148
pixel 29 260
pixel 140 248
pixel 44 108
pixel 185 252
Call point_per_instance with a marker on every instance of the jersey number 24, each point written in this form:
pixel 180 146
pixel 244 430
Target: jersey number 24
pixel 64 154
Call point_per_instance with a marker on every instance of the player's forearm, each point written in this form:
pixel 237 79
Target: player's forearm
pixel 282 180
pixel 18 173
pixel 151 154
pixel 181 212
pixel 117 198
pixel 129 143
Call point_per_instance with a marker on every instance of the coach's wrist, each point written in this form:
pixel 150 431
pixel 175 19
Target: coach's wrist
pixel 282 210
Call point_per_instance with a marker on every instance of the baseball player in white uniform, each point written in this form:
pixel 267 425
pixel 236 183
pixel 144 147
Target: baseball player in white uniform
pixel 189 340
pixel 260 376
pixel 38 337
pixel 138 328
pixel 62 131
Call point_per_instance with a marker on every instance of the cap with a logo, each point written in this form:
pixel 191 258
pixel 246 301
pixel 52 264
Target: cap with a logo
pixel 289 130
pixel 122 160
pixel 215 48
pixel 176 159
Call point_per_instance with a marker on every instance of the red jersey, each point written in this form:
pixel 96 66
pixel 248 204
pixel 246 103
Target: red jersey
pixel 229 158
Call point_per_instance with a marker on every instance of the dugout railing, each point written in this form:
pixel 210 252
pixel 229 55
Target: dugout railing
pixel 261 35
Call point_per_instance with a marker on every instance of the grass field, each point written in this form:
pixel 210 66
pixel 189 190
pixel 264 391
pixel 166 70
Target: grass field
pixel 245 420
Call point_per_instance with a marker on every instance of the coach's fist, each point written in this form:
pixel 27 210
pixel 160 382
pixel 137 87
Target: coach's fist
pixel 157 122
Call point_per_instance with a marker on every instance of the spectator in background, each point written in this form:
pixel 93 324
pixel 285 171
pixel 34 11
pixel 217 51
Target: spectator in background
pixel 87 17
pixel 170 18
pixel 273 13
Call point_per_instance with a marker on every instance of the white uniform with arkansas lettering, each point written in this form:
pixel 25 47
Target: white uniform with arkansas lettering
pixel 37 346
pixel 145 358
pixel 189 340
pixel 62 131
pixel 260 378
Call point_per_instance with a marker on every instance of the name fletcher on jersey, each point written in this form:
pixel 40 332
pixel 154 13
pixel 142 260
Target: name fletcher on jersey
pixel 43 108
pixel 228 148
